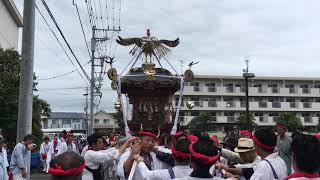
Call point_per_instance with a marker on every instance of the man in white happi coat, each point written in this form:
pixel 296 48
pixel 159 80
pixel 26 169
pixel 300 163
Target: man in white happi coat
pixel 3 163
pixel 55 146
pixel 272 166
pixel 145 148
pixel 181 156
pixel 68 145
pixel 45 154
pixel 96 156
pixel 4 152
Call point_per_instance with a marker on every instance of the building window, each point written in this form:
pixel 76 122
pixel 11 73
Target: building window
pixel 291 87
pixel 229 88
pixel 96 121
pixel 274 115
pixel 274 88
pixel 196 101
pixel 211 87
pixel 307 117
pixel 106 121
pixel 76 121
pixel 196 87
pixel 305 88
pixel 276 104
pixel 213 116
pixel 212 102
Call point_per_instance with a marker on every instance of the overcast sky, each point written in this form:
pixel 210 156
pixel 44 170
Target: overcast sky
pixel 281 38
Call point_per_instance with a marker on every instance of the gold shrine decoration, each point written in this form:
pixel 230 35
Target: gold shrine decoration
pixel 112 74
pixel 117 105
pixel 188 75
pixel 149 71
pixel 114 85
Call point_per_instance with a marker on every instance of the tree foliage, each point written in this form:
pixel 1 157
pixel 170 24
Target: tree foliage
pixel 245 123
pixel 200 122
pixel 290 119
pixel 9 97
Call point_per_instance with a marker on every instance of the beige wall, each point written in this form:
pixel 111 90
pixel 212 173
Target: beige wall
pixel 9 31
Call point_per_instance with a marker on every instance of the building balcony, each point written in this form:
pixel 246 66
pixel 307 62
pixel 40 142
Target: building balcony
pixel 231 119
pixel 253 91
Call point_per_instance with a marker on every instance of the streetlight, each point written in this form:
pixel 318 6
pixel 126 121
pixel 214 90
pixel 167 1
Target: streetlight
pixel 246 76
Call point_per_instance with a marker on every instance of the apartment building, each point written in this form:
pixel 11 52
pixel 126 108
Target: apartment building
pixel 64 120
pixel 224 98
pixel 10 22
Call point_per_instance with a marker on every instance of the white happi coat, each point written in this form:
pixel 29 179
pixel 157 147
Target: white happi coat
pixel 94 158
pixel 163 174
pixel 195 178
pixel 263 171
pixel 157 164
pixel 3 166
pixel 52 147
pixel 64 148
pixel 46 149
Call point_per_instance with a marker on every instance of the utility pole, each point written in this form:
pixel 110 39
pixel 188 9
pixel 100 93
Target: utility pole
pixel 95 88
pixel 86 111
pixel 92 84
pixel 24 124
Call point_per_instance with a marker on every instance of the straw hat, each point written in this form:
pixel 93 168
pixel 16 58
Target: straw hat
pixel 244 145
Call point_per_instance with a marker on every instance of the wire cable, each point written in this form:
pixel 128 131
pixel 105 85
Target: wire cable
pixel 61 75
pixel 84 34
pixel 59 42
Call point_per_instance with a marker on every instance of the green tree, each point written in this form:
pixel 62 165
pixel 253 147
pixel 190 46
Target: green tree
pixel 245 123
pixel 289 119
pixel 9 97
pixel 200 122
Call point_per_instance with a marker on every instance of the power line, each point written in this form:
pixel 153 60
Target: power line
pixel 61 75
pixel 64 38
pixel 84 35
pixel 59 42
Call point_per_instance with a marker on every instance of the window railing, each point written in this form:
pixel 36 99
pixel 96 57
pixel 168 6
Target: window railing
pixel 293 105
pixel 211 89
pixel 307 105
pixel 263 104
pixel 307 119
pixel 212 104
pixel 230 119
pixel 230 104
pixel 243 103
pixel 229 89
pixel 306 90
pixel 276 104
pixel 275 90
pixel 196 88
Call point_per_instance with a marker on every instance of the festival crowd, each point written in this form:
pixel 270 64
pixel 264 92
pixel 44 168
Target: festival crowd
pixel 260 155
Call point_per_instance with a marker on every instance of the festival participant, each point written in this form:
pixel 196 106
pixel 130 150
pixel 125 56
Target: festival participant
pixel 305 158
pixel 244 154
pixel 111 138
pixel 181 155
pixel 272 166
pixel 45 154
pixel 67 166
pixel 4 152
pixel 96 156
pixel 63 135
pixel 204 153
pixel 68 145
pixel 55 145
pixel 145 148
pixel 3 163
pixel 283 145
pixel 246 134
pixel 18 163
